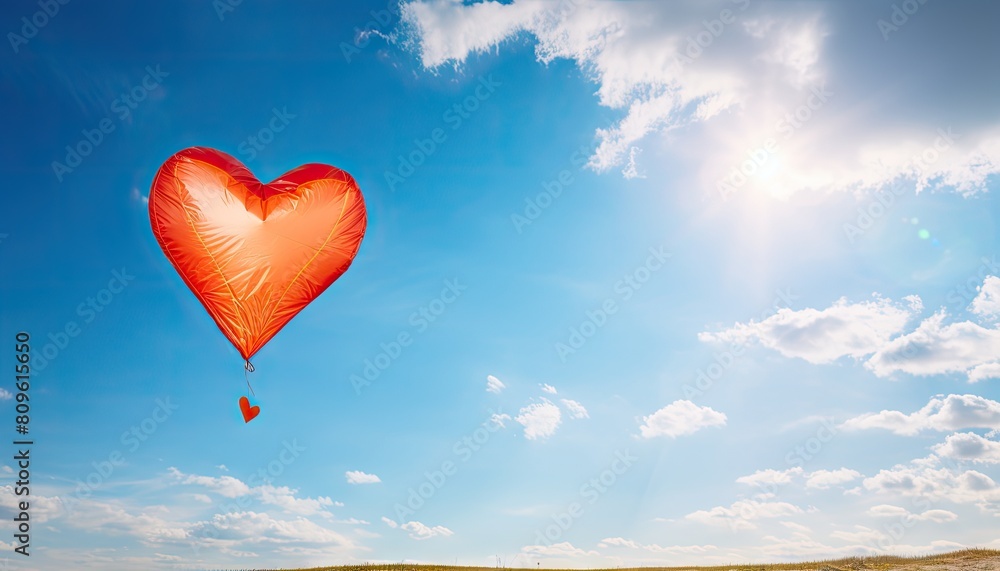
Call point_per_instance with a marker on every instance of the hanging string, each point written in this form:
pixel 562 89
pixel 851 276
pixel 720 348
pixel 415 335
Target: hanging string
pixel 247 369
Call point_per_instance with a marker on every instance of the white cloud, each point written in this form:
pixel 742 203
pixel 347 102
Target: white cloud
pixel 770 477
pixel 619 542
pixel 896 512
pixel 280 496
pixel 576 410
pixel 867 541
pixel 819 480
pixel 5 394
pixel 797 527
pixel 742 513
pixel 547 388
pixel 630 544
pixel 222 467
pixel 286 499
pixel 954 412
pixel 886 510
pixel 117 518
pixel 823 336
pixel 861 535
pixel 43 508
pixel 797 48
pixel 934 348
pixel 359 477
pixel 253 528
pixel 500 419
pixel 969 446
pixel 564 549
pixel 138 196
pixel 680 418
pixel 631 169
pixel 450 31
pixel 925 479
pixel 800 546
pixel 420 531
pixel 987 302
pixel 874 330
pixel 984 372
pixel 539 420
pixel 150 530
pixel 353 521
pixel 826 479
pixel 661 65
pixel 494 385
pixel 225 486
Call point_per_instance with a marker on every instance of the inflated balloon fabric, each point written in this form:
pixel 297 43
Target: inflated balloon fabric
pixel 254 254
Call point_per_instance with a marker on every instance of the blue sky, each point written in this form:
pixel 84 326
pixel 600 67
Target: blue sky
pixel 726 281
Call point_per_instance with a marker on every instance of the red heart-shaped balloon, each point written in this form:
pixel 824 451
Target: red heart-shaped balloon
pixel 249 412
pixel 254 254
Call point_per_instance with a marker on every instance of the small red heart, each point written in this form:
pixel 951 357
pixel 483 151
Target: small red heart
pixel 249 412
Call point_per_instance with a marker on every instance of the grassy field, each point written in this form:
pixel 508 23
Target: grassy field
pixel 965 560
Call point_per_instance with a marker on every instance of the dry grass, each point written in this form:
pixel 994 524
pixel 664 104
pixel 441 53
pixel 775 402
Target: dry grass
pixel 964 560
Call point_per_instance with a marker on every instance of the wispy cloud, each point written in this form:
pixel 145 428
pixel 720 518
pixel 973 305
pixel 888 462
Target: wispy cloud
pixel 540 420
pixel 576 410
pixel 359 477
pixel 420 531
pixel 494 385
pixel 680 418
pixel 743 513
